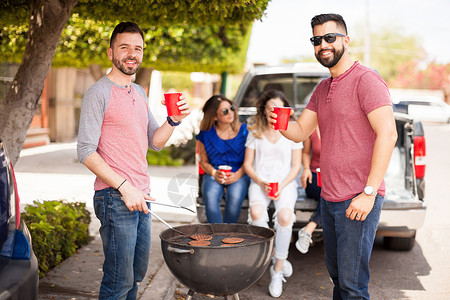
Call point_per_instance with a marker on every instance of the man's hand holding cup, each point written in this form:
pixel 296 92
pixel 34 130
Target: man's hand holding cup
pixel 274 118
pixel 177 106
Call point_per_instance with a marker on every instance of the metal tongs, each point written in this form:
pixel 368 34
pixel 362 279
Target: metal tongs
pixel 170 205
pixel 164 222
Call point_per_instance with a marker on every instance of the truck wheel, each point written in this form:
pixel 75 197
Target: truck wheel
pixel 399 243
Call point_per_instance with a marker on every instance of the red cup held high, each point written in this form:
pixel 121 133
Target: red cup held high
pixel 283 114
pixel 171 100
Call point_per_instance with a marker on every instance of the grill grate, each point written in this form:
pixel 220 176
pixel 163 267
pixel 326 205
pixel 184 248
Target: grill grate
pixel 217 238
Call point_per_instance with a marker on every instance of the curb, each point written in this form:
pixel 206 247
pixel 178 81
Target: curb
pixel 162 286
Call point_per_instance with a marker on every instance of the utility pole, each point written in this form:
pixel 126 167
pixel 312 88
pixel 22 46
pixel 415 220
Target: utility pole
pixel 367 46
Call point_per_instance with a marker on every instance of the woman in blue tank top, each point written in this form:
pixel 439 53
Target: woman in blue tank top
pixel 221 145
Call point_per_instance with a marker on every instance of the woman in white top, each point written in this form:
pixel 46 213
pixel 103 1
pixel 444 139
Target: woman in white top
pixel 270 157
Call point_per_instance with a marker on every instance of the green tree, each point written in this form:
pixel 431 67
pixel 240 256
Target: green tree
pixel 181 47
pixel 182 35
pixel 389 50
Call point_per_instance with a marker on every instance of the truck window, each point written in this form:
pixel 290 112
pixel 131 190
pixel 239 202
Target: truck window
pixel 261 83
pixel 304 86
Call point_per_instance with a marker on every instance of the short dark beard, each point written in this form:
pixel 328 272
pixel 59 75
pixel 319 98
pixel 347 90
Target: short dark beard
pixel 124 69
pixel 330 62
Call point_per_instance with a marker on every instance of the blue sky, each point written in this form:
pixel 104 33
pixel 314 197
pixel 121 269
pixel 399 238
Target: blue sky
pixel 285 30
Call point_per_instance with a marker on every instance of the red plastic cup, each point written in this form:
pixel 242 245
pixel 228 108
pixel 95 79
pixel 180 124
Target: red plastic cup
pixel 226 169
pixel 171 104
pixel 273 188
pixel 319 179
pixel 283 114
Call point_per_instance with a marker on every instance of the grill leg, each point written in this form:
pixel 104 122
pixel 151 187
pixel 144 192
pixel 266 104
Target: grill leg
pixel 232 297
pixel 190 294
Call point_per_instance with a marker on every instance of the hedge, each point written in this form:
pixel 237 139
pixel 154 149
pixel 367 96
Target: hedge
pixel 58 229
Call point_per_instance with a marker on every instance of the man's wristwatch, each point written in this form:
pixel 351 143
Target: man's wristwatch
pixel 368 190
pixel 172 123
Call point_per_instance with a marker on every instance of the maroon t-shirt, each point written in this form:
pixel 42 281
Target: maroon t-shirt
pixel 315 147
pixel 347 139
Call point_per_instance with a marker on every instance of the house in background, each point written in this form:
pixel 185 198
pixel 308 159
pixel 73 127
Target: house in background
pixel 57 116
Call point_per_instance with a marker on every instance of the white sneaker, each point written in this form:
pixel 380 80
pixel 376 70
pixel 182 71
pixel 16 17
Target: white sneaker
pixel 287 267
pixel 303 242
pixel 276 283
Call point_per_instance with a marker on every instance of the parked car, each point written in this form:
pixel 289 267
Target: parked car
pixel 19 277
pixel 404 207
pixel 424 108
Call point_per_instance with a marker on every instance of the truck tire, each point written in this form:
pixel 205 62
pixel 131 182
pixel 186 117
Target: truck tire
pixel 399 243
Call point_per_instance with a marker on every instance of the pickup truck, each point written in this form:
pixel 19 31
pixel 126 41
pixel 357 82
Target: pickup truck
pixel 404 207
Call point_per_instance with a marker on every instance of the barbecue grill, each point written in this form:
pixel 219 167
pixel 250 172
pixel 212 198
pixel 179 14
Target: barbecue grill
pixel 216 269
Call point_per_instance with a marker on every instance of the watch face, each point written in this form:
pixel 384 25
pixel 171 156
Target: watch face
pixel 368 190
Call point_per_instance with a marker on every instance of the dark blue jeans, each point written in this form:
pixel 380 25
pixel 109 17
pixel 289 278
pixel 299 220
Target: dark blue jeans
pixel 313 191
pixel 348 246
pixel 126 244
pixel 212 192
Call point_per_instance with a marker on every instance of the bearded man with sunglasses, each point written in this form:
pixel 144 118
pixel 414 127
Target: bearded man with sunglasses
pixel 354 112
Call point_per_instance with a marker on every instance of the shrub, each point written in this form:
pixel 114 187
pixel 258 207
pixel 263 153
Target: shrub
pixel 184 151
pixel 163 158
pixel 58 229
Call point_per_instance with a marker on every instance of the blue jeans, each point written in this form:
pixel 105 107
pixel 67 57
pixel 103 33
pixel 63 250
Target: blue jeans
pixel 313 191
pixel 212 192
pixel 348 246
pixel 126 244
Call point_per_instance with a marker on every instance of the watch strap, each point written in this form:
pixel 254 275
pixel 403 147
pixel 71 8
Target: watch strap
pixel 172 123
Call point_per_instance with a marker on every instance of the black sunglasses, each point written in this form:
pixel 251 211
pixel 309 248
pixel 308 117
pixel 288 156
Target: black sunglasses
pixel 329 38
pixel 226 111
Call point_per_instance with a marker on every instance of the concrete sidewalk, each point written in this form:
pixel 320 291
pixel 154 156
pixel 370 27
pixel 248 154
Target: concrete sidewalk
pixel 53 172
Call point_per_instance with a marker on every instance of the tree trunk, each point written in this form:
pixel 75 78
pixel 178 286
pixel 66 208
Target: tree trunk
pixel 47 21
pixel 143 77
pixel 96 71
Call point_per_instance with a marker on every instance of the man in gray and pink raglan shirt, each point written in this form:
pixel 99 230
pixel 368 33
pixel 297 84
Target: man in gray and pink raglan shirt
pixel 116 130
